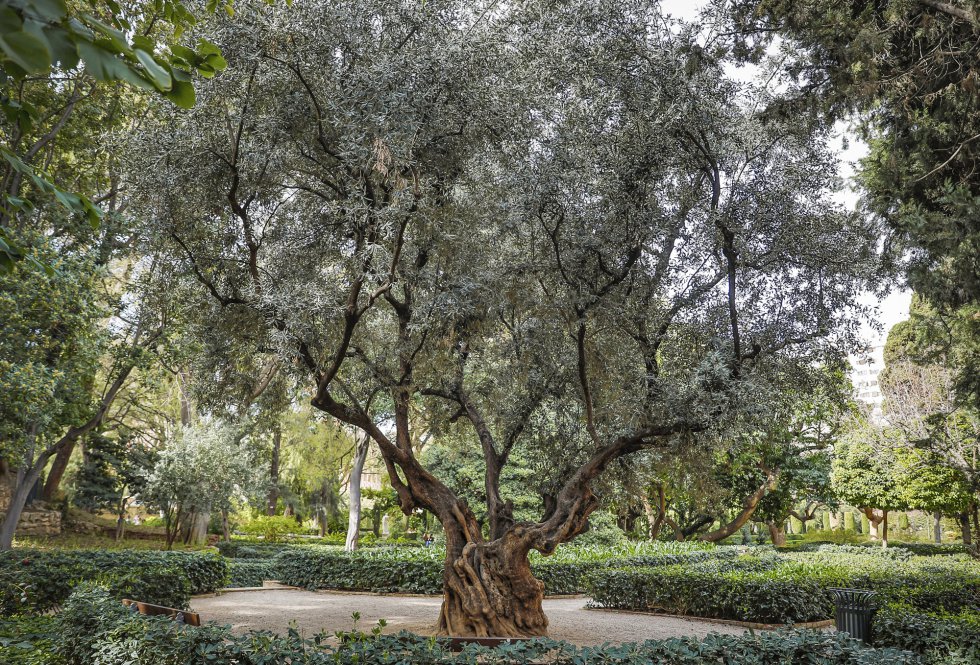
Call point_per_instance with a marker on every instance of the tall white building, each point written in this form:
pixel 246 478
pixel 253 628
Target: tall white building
pixel 865 368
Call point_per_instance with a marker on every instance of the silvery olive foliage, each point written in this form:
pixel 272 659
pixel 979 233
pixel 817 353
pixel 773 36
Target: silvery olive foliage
pixel 561 221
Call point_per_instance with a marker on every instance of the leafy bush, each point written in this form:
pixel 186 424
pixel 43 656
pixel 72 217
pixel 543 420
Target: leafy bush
pixel 603 531
pixel 39 580
pixel 419 570
pixel 95 629
pixel 941 637
pixel 786 588
pixel 28 640
pixel 766 597
pixel 271 528
pixel 381 570
pixel 893 553
pixel 251 573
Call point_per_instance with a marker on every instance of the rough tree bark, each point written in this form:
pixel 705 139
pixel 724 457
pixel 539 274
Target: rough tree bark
pixel 56 473
pixel 354 517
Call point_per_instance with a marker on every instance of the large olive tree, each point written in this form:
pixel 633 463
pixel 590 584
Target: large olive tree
pixel 561 224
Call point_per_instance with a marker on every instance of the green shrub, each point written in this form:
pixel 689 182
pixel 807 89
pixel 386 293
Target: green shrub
pixel 765 597
pixel 942 638
pixel 786 588
pixel 28 640
pixel 419 570
pixel 39 580
pixel 381 570
pixel 271 528
pixel 894 553
pixel 251 573
pixel 95 630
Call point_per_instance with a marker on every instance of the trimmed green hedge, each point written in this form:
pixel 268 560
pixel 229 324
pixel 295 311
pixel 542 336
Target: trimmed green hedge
pixel 401 570
pixel 40 580
pixel 941 638
pixel 95 629
pixel 785 589
pixel 382 570
pixel 251 573
pixel 765 597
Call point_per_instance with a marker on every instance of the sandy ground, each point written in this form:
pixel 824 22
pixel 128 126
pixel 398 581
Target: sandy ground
pixel 331 611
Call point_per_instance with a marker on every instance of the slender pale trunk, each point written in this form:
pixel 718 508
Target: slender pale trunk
pixel 884 528
pixel 354 517
pixel 225 531
pixel 18 500
pixel 273 498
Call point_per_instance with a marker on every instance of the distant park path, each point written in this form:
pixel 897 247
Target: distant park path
pixel 274 609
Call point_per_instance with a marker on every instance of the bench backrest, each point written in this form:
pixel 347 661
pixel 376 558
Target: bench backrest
pixel 180 616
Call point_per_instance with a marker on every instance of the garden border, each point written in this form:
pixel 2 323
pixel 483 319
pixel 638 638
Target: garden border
pixel 825 623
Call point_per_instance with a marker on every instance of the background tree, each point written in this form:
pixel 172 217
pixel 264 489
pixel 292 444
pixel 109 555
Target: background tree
pixel 113 470
pixel 203 465
pixel 908 69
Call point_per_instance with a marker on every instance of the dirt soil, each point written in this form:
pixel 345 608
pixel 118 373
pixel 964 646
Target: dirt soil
pixel 276 609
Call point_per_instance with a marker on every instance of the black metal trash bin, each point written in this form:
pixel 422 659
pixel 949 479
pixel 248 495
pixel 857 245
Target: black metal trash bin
pixel 856 609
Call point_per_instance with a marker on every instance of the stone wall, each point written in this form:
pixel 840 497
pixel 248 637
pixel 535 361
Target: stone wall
pixel 39 522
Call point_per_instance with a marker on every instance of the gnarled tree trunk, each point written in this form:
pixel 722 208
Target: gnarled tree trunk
pixel 489 591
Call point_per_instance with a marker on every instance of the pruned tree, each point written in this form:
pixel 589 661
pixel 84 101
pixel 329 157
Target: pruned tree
pixel 445 200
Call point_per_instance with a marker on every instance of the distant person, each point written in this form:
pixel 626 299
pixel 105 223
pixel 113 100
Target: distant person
pixel 427 539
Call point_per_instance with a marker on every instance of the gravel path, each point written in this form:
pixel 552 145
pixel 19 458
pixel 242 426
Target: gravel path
pixel 331 611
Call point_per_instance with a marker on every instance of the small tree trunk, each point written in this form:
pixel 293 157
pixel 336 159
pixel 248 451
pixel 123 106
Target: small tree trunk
pixel 57 472
pixel 489 591
pixel 937 527
pixel 884 528
pixel 874 520
pixel 749 505
pixel 273 499
pixel 225 531
pixel 354 517
pixel 18 500
pixel 777 533
pixel 965 527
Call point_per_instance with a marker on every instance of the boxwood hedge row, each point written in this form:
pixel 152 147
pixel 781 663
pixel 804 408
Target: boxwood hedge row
pixel 94 628
pixel 942 638
pixel 390 570
pixel 39 580
pixel 778 589
pixel 251 572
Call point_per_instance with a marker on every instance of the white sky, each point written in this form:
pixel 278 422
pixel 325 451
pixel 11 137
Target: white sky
pixel 894 307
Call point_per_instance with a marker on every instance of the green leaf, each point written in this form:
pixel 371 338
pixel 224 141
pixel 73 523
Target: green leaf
pixel 27 51
pixel 160 76
pixel 64 51
pixel 52 10
pixel 182 94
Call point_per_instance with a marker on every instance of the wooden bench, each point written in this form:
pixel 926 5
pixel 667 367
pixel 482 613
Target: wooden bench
pixel 179 616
